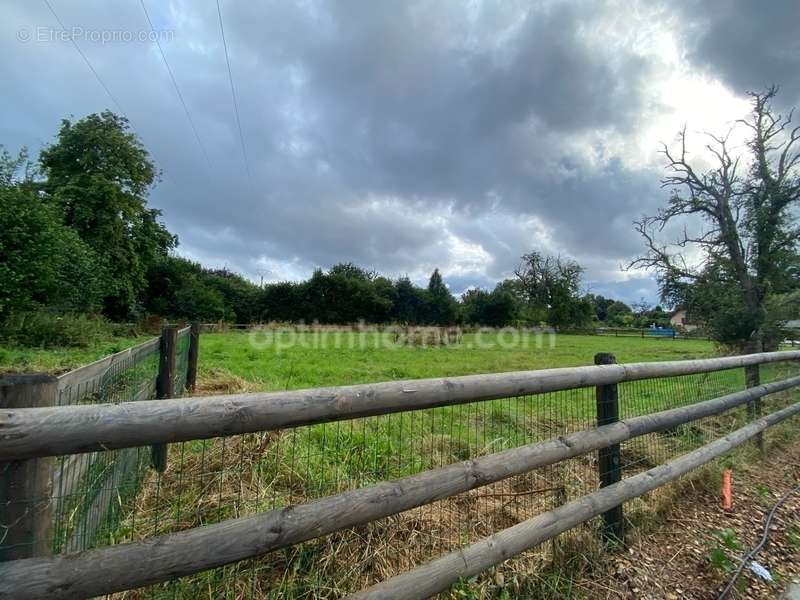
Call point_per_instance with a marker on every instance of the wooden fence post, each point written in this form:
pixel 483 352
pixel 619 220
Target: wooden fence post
pixel 752 378
pixel 26 486
pixel 608 459
pixel 194 349
pixel 165 385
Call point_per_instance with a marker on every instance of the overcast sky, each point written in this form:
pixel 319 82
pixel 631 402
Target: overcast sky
pixel 401 136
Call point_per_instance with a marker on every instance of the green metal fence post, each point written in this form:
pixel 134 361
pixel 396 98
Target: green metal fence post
pixel 26 486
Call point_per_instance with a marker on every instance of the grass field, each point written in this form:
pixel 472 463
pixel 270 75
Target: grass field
pixel 213 480
pixel 292 361
pixel 210 480
pixel 58 360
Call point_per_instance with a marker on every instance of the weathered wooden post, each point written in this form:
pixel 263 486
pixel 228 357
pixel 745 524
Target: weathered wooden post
pixel 194 350
pixel 26 486
pixel 608 459
pixel 752 378
pixel 165 385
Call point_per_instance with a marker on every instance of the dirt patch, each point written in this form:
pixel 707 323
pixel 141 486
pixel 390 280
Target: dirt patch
pixel 681 557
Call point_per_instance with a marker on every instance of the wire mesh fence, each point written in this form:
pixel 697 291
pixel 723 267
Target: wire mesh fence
pixel 110 497
pixel 181 363
pixel 212 480
pixel 93 492
pixel 91 489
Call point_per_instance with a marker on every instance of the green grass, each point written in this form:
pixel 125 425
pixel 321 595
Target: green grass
pixel 210 480
pixel 248 475
pixel 314 361
pixel 59 360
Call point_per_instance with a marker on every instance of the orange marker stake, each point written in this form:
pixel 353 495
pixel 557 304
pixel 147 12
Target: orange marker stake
pixel 727 498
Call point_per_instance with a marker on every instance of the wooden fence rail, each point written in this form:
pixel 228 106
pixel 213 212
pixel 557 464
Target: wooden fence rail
pixel 34 492
pixel 30 433
pixel 125 566
pixel 436 576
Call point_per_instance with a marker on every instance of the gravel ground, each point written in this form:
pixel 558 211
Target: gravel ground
pixel 674 559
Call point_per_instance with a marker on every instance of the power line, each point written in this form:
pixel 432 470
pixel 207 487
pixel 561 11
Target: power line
pixel 175 84
pixel 96 75
pixel 233 94
pixel 88 64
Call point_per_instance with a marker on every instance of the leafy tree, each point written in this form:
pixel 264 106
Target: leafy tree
pixel 283 301
pixel 497 308
pixel 182 289
pixel 600 306
pixel 619 314
pixel 780 309
pixel 350 271
pixel 540 279
pixel 99 174
pixel 385 300
pixel 749 234
pixel 165 278
pixel 196 300
pixel 239 294
pixel 549 287
pixel 410 302
pixel 42 262
pixel 16 171
pixel 352 296
pixel 441 306
pixel 567 310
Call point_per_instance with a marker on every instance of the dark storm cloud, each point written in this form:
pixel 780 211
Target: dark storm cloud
pixel 750 45
pixel 411 102
pixel 400 136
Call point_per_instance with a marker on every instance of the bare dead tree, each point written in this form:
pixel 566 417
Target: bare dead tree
pixel 745 215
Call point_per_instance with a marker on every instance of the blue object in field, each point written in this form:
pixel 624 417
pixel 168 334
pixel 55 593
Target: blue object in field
pixel 662 332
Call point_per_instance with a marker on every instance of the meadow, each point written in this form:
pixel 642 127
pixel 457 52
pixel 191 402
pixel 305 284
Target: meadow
pixel 216 479
pixel 27 359
pixel 207 481
pixel 300 360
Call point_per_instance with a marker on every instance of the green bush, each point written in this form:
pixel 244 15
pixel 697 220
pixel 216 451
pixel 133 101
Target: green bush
pixel 42 261
pixel 46 329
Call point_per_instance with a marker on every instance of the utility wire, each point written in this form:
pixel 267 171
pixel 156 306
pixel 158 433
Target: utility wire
pixel 175 84
pixel 97 76
pixel 749 556
pixel 88 64
pixel 233 94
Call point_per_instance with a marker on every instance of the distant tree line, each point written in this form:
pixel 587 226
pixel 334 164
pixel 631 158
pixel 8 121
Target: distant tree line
pixel 77 236
pixel 347 293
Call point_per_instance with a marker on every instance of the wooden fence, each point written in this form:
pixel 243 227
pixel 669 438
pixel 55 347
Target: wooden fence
pixel 76 494
pixel 32 434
